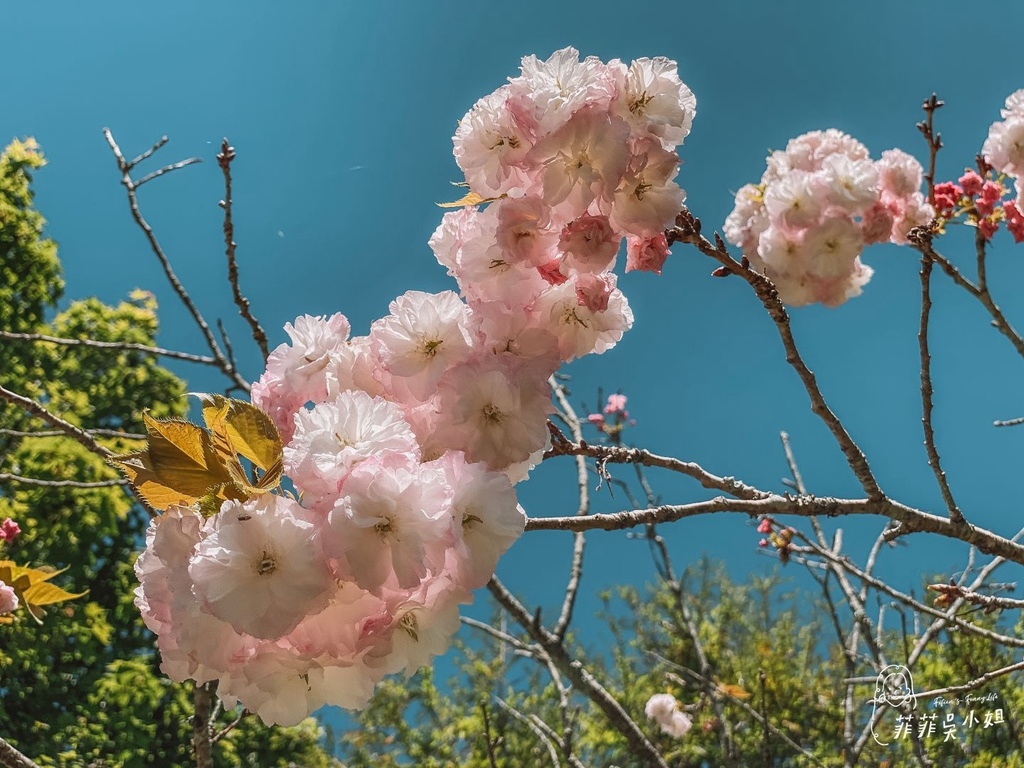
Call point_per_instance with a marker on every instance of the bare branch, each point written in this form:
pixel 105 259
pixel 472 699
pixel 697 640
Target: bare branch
pixel 687 230
pixel 12 758
pixel 130 186
pixel 1009 422
pixel 67 428
pixel 584 682
pixel 974 684
pixel 224 158
pixel 61 433
pixel 487 737
pixel 529 723
pixel 7 477
pixel 910 520
pixel 167 169
pixel 497 634
pixel 927 405
pixel 230 726
pixel 620 454
pixel 118 345
pixel 921 239
pixel 583 488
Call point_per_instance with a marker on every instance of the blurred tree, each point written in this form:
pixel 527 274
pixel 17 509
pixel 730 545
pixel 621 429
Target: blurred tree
pixel 740 631
pixel 83 688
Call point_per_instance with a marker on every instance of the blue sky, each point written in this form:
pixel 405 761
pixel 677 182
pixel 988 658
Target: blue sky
pixel 342 116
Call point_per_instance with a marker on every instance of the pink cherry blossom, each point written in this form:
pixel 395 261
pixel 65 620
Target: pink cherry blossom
pixel 8 599
pixel 589 243
pixel 421 338
pixel 495 409
pixel 333 438
pixel 386 522
pixel 647 254
pixel 259 567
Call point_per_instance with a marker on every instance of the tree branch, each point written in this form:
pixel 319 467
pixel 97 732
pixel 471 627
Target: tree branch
pixel 224 158
pixel 118 345
pixel 584 682
pixel 133 202
pixel 12 758
pixel 687 230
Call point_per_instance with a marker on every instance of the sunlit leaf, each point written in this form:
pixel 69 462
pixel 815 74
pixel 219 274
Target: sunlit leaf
pixel 470 198
pixel 46 593
pixel 185 464
pixel 178 466
pixel 238 429
pixel 734 691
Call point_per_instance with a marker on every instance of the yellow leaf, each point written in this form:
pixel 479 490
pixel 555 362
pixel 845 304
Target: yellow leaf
pixel 48 594
pixel 734 691
pixel 185 464
pixel 178 466
pixel 252 432
pixel 237 429
pixel 470 198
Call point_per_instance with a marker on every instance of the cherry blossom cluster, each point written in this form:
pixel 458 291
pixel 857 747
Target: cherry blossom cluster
pixel 613 419
pixel 1004 147
pixel 404 445
pixel 663 709
pixel 980 200
pixel 819 203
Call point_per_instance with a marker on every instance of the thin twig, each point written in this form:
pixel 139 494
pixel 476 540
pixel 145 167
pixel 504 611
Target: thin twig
pixel 8 477
pixel 224 158
pixel 973 684
pixel 547 742
pixel 230 726
pixel 620 454
pixel 61 433
pixel 167 169
pixel 487 737
pixel 687 230
pixel 581 678
pixel 583 508
pixel 1009 422
pixel 119 345
pixel 67 428
pixel 497 634
pixel 130 186
pixel 927 403
pixel 920 239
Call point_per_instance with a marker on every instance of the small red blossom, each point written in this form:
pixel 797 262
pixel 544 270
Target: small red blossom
pixel 971 183
pixel 765 526
pixel 988 227
pixel 1014 221
pixel 947 196
pixel 8 530
pixel 992 192
pixel 596 419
